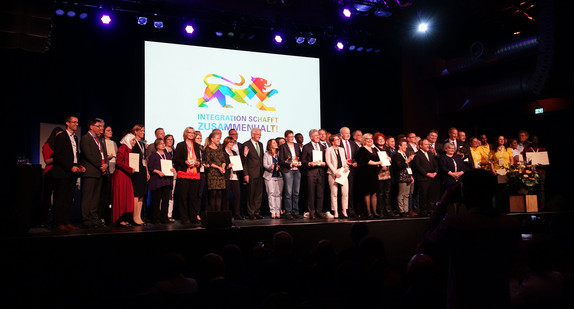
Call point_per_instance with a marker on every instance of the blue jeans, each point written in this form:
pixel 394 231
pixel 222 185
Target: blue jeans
pixel 292 182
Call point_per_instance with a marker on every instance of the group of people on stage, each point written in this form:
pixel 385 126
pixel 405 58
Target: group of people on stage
pixel 332 176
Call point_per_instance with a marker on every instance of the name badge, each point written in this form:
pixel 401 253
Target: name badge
pixel 500 162
pixel 409 170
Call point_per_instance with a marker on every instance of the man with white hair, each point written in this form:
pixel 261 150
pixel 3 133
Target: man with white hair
pixel 315 174
pixel 252 154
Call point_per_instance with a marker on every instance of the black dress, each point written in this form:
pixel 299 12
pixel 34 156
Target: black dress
pixel 367 175
pixel 139 179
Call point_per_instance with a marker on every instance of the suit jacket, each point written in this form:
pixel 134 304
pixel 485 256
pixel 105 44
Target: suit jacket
pixel 307 157
pixel 180 155
pixel 411 150
pixel 422 166
pixel 285 156
pixel 439 148
pixel 331 159
pixel 354 148
pixel 252 163
pixel 64 155
pixel 91 155
pixel 447 165
pixel 227 162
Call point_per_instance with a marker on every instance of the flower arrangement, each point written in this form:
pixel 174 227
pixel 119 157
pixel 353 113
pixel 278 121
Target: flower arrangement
pixel 522 178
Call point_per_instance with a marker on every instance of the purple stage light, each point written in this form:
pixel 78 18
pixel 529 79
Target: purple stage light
pixel 278 39
pixel 346 13
pixel 189 29
pixel 340 45
pixel 106 19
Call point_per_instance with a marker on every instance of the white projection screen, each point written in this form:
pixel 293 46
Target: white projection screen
pixel 208 88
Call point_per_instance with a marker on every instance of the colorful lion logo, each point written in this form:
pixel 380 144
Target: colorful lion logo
pixel 219 91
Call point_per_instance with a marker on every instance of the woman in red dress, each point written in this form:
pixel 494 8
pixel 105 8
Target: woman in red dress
pixel 122 188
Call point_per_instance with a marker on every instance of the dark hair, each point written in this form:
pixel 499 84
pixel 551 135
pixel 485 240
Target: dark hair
pixel 269 142
pixel 332 137
pixel 228 140
pixel 157 141
pixel 52 137
pixel 169 135
pixel 155 132
pixel 287 132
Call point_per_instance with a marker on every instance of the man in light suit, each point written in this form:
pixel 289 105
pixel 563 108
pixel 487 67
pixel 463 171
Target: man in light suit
pixel 426 175
pixel 66 171
pixel 94 159
pixel 315 175
pixel 253 173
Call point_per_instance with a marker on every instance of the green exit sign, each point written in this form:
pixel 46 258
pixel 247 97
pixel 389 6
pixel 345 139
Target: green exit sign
pixel 539 110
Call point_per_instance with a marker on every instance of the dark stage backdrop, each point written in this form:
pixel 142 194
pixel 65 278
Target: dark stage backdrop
pixel 90 71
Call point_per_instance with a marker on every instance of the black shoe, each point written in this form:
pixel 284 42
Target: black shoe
pixel 352 215
pixel 252 218
pixel 258 217
pixel 238 218
pixel 297 216
pixel 195 221
pixel 289 217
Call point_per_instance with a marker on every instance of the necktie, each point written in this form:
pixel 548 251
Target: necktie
pixel 348 152
pixel 258 151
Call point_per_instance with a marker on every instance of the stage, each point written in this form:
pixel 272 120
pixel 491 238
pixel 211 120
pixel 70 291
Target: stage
pixel 110 262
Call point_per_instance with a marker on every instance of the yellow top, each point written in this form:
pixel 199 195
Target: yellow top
pixel 501 155
pixel 477 156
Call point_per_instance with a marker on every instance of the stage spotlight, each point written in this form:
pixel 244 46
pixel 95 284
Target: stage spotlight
pixel 311 39
pixel 423 27
pixel 346 13
pixel 278 39
pixel 142 21
pixel 83 15
pixel 158 24
pixel 60 12
pixel 231 34
pixel 106 19
pixel 189 29
pixel 352 47
pixel 299 39
pixel 377 51
pixel 71 14
pixel 360 48
pixel 368 50
pixel 251 37
pixel 340 45
pixel 219 33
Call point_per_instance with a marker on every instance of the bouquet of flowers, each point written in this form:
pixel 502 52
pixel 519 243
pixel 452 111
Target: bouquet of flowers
pixel 522 178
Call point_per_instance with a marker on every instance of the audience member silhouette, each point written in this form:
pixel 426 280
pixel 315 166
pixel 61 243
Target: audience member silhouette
pixel 475 248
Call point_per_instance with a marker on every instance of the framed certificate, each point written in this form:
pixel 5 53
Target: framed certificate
pixel 384 158
pixel 166 166
pixel 135 161
pixel 317 156
pixel 236 164
pixel 538 158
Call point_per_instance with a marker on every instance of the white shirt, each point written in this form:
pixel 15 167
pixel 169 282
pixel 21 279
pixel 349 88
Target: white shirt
pixel 74 145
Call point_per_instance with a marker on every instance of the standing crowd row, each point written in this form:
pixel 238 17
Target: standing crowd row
pixel 332 176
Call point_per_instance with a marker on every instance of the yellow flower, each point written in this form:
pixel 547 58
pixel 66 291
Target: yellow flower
pixel 525 176
pixel 528 172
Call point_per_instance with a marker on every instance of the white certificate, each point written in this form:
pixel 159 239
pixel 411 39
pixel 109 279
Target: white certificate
pixel 384 158
pixel 135 161
pixel 236 164
pixel 538 158
pixel 166 166
pixel 317 156
pixel 344 176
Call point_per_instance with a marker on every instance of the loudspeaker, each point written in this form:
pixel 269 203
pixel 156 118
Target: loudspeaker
pixel 218 220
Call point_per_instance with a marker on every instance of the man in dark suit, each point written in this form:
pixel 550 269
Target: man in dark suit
pixel 426 175
pixel 315 175
pixel 460 147
pixel 95 160
pixel 253 173
pixel 66 172
pixel 435 147
pixel 350 151
pixel 290 161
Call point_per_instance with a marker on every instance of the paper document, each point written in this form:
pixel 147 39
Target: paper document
pixel 538 158
pixel 236 164
pixel 317 156
pixel 135 161
pixel 166 166
pixel 344 176
pixel 384 158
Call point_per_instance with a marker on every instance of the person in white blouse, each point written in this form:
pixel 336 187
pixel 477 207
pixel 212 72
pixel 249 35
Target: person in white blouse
pixel 337 168
pixel 273 178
